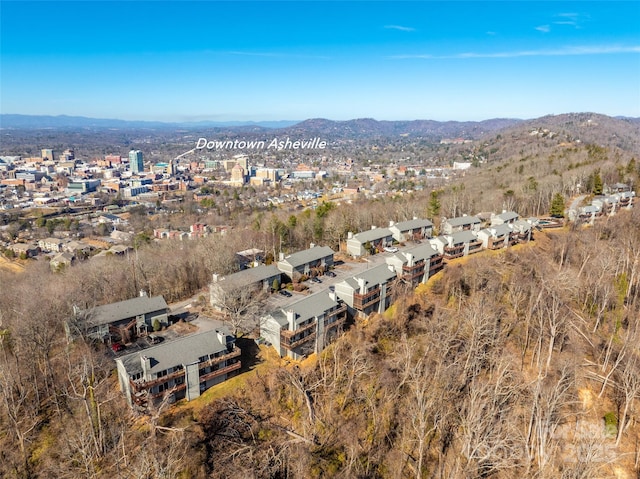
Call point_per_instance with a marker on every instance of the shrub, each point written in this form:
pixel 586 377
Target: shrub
pixel 611 424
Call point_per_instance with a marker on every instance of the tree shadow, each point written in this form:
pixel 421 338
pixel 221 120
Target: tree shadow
pixel 250 353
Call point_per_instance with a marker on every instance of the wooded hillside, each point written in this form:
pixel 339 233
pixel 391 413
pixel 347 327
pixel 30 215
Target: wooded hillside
pixel 522 363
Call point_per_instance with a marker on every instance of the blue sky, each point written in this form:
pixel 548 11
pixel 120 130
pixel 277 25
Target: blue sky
pixel 292 60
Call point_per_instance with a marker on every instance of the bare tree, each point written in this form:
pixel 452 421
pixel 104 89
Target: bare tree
pixel 240 304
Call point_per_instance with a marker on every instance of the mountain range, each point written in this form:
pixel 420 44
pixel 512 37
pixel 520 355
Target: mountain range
pixel 598 128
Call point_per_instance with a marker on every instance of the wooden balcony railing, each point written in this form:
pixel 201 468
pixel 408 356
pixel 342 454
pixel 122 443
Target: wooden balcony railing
pixel 140 384
pixel 495 243
pixel 336 312
pixel 288 334
pixel 475 246
pixel 436 265
pixel 290 344
pixel 335 324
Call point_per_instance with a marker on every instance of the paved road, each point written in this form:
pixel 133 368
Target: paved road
pixel 575 204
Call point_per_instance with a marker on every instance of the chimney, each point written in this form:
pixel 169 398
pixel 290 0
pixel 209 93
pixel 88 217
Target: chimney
pixel 349 235
pixel 146 367
pixel 291 318
pixel 373 227
pixel 143 293
pixel 391 223
pixel 312 245
pixel 281 256
pixel 332 295
pixel 222 337
pixel 415 217
pixel 215 277
pixel 361 285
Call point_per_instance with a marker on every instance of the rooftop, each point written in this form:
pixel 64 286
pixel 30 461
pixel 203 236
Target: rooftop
pixel 463 220
pixel 373 234
pixel 462 237
pixel 412 224
pixel 251 275
pixel 181 351
pixel 307 256
pixel 130 308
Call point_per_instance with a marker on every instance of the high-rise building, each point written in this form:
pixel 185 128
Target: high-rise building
pixel 47 154
pixel 135 161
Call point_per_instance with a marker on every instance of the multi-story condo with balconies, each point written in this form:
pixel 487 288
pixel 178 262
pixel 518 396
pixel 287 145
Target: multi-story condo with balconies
pixel 305 326
pixel 416 265
pixel 369 291
pixel 182 368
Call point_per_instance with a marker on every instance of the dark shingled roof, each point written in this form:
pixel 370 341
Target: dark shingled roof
pixel 114 312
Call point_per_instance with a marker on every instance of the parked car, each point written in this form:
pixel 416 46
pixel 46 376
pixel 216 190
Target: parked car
pixel 286 293
pixel 331 274
pixel 391 249
pixel 117 347
pixel 153 339
pixel 316 280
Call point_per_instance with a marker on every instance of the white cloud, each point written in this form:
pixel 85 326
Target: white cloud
pixel 571 19
pixel 544 28
pixel 566 51
pixel 274 55
pixel 400 28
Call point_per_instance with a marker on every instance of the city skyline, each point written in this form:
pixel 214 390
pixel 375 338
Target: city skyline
pixel 266 61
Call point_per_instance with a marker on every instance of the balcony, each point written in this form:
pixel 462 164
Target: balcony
pixel 288 334
pixel 496 243
pixel 333 319
pixel 336 312
pixel 451 252
pixel 475 246
pixel 218 359
pixel 363 301
pixel 141 385
pixel 411 273
pixel 140 395
pixel 295 342
pixel 219 372
pixel 435 265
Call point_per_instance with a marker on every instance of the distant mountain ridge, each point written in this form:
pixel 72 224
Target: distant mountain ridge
pixel 16 121
pixel 356 129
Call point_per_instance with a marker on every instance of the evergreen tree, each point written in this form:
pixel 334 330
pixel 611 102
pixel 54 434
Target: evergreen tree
pixel 434 204
pixel 557 206
pixel 597 183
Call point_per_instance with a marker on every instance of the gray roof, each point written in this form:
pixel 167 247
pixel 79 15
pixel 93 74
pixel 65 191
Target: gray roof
pixel 372 235
pixel 378 275
pixel 463 220
pixel 312 306
pixel 130 308
pixel 462 237
pixel 307 256
pixel 412 224
pixel 498 230
pixel 251 275
pixel 181 351
pixel 422 251
pixel 521 226
pixel 508 216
